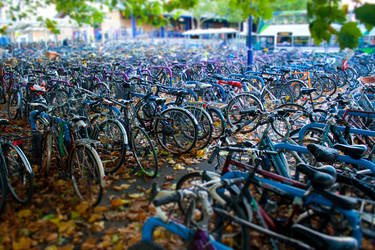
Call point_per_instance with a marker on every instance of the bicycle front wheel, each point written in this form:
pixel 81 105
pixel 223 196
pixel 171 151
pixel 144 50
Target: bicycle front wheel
pixel 144 152
pixel 14 105
pixel 87 173
pixel 19 173
pixel 176 130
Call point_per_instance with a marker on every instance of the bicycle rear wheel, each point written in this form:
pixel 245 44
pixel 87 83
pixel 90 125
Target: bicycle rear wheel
pixel 87 173
pixel 3 192
pixel 218 122
pixel 19 173
pixel 237 108
pixel 113 138
pixel 176 130
pixel 205 126
pixel 144 152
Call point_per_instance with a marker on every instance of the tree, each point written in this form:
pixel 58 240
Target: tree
pixel 289 5
pixel 323 13
pixel 90 11
pixel 203 11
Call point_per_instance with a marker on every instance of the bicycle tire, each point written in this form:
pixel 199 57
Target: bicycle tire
pixel 3 98
pixel 244 102
pixel 296 85
pixel 176 130
pixel 14 105
pixel 144 151
pixel 113 138
pixel 205 125
pixel 218 122
pixel 275 95
pixel 94 172
pixel 17 165
pixel 3 192
pixel 238 209
pixel 295 121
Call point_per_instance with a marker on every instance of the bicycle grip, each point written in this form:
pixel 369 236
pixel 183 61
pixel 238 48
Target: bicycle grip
pixel 174 197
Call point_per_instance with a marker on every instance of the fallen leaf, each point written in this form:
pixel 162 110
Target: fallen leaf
pixel 178 166
pixel 170 178
pixel 24 213
pixel 22 244
pixel 136 195
pixel 52 238
pixel 94 217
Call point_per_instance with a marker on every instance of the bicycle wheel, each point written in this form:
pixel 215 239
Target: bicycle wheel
pixel 205 126
pixel 297 119
pixel 237 108
pixel 14 105
pixel 144 152
pixel 3 192
pixel 296 86
pixel 221 228
pixel 3 98
pixel 329 85
pixel 87 173
pixel 48 152
pixel 113 138
pixel 176 130
pixel 19 173
pixel 276 95
pixel 218 122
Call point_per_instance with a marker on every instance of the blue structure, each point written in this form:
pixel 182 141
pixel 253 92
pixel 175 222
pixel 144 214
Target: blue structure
pixel 134 28
pixel 250 49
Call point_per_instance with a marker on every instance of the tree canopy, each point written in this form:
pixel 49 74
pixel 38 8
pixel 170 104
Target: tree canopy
pixel 321 13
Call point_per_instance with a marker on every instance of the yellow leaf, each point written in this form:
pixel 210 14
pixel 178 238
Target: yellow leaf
pixel 94 217
pixel 22 244
pixel 116 203
pixel 66 228
pixel 82 207
pixel 136 195
pixel 178 166
pixel 53 247
pixel 24 213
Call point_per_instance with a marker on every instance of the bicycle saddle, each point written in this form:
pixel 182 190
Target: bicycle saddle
pixel 307 91
pixel 4 122
pixel 321 177
pixel 158 100
pixel 322 153
pixel 323 241
pixel 180 93
pixel 354 151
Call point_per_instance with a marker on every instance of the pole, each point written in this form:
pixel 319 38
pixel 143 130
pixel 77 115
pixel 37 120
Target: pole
pixel 249 45
pixel 133 27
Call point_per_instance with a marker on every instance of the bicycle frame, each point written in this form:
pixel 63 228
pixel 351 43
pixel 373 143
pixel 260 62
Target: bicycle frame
pixel 199 237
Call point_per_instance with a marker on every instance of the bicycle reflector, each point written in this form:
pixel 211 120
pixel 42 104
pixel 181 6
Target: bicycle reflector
pixel 18 142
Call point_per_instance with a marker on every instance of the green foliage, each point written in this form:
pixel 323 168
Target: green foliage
pixel 366 15
pixel 323 13
pixel 348 35
pixel 289 5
